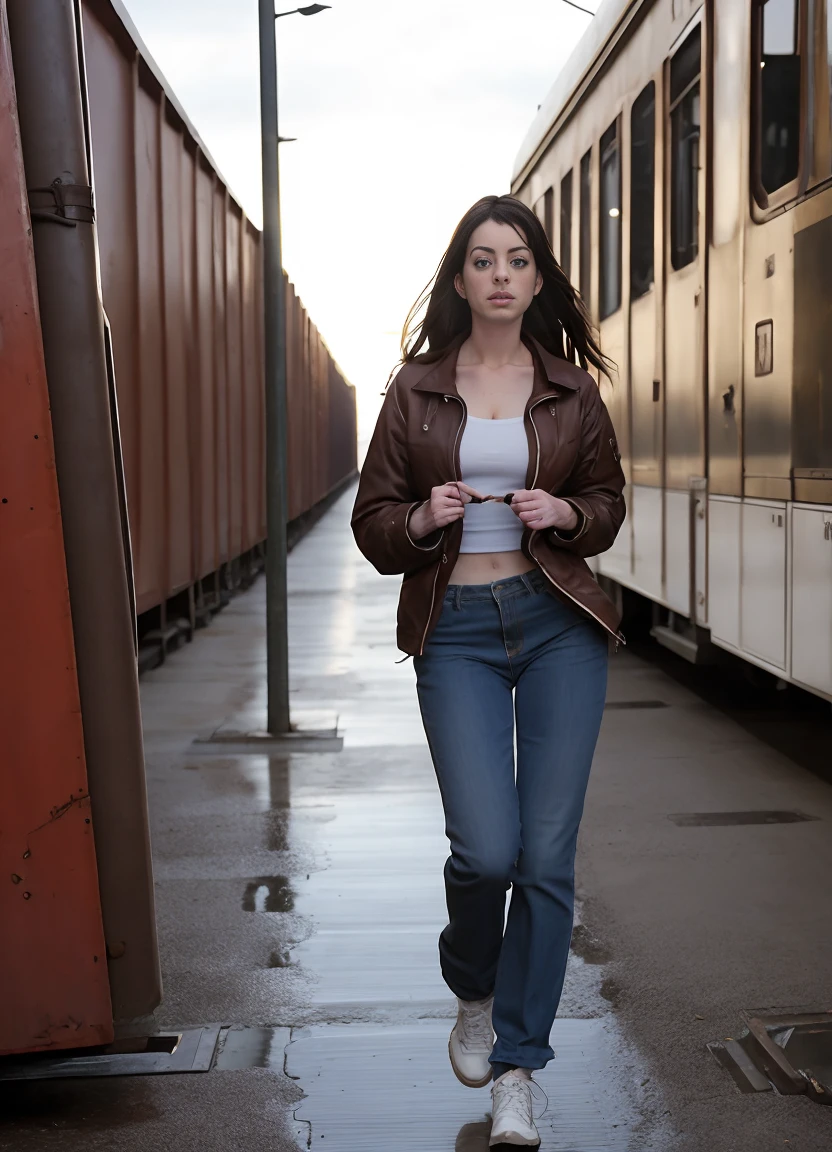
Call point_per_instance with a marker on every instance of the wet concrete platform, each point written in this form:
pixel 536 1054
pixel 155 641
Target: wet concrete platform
pixel 300 897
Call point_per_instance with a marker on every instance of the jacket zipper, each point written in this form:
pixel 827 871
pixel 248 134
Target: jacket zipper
pixel 536 437
pixel 444 558
pixel 459 429
pixel 617 637
pixel 432 598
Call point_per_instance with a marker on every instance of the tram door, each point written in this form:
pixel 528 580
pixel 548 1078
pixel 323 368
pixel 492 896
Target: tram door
pixel 647 400
pixel 684 383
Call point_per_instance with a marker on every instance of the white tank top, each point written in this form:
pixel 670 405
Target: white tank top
pixel 494 459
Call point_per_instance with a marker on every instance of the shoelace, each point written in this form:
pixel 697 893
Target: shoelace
pixel 513 1093
pixel 475 1028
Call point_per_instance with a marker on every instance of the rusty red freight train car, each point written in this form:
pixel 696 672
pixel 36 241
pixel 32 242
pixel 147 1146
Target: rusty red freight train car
pixel 140 422
pixel 182 282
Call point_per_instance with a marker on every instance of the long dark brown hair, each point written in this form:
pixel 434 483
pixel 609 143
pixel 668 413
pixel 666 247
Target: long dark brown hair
pixel 556 317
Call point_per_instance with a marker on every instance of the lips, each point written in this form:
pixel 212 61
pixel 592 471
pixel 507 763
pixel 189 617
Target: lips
pixel 501 296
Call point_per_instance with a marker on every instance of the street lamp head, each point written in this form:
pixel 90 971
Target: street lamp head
pixel 307 10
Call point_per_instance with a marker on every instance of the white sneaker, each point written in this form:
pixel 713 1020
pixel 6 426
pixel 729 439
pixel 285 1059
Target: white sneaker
pixel 512 1121
pixel 472 1039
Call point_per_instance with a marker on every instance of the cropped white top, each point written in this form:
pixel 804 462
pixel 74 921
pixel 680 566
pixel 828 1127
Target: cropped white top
pixel 494 459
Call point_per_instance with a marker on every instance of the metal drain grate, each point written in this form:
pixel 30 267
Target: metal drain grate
pixel 790 1051
pixel 191 1050
pixel 731 819
pixel 622 704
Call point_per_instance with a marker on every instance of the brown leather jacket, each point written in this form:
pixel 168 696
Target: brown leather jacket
pixel 415 447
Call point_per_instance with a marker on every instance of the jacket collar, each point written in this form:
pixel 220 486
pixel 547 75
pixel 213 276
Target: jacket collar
pixel 550 371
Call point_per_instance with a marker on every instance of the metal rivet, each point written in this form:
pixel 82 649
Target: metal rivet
pixel 424 427
pixel 15 878
pixel 27 895
pixel 26 854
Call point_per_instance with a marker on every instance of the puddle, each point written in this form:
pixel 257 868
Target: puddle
pixel 401 1077
pixel 268 894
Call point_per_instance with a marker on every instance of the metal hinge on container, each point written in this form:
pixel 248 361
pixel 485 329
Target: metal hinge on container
pixel 53 204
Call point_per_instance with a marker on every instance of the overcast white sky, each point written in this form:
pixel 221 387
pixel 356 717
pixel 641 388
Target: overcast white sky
pixel 406 112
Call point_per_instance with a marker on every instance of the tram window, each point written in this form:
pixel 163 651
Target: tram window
pixel 566 224
pixel 585 252
pixel 778 93
pixel 684 152
pixel 610 222
pixel 549 214
pixel 544 208
pixel 539 210
pixel 642 191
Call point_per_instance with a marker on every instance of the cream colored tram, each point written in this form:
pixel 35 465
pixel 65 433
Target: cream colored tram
pixel 682 165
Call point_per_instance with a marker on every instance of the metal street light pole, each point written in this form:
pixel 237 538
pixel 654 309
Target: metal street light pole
pixel 274 334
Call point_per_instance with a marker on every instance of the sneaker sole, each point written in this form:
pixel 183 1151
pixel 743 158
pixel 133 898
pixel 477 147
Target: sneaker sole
pixel 464 1080
pixel 514 1138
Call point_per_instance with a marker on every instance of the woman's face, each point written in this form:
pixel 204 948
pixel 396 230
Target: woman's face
pixel 499 278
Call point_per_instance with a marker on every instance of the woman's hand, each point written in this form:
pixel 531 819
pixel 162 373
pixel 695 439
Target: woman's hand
pixel 538 510
pixel 446 504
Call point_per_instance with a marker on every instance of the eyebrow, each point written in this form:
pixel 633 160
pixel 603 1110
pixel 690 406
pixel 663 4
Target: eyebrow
pixel 482 248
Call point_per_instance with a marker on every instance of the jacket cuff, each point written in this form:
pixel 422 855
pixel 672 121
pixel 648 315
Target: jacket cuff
pixel 580 529
pixel 435 537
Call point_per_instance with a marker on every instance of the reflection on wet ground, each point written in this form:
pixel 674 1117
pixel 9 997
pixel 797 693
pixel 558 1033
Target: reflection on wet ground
pixel 268 894
pixel 373 1087
pixel 252 1048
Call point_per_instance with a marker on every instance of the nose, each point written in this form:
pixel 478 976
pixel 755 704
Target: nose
pixel 501 273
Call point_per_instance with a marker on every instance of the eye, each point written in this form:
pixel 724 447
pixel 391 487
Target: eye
pixel 519 262
pixel 481 262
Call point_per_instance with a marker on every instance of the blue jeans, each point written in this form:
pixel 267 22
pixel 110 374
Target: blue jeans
pixel 503 651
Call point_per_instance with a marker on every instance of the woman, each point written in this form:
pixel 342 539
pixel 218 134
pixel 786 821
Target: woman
pixel 493 471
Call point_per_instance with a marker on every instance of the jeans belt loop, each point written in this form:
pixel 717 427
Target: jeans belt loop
pixel 458 598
